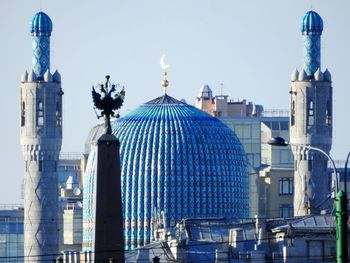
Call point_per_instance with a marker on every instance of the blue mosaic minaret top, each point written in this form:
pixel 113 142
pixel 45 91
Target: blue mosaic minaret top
pixel 311 28
pixel 41 28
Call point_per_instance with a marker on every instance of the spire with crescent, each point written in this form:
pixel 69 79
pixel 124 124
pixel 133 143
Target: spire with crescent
pixel 165 82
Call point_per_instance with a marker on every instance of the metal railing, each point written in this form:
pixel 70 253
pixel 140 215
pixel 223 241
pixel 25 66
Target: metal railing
pixel 275 113
pixel 71 155
pixel 11 206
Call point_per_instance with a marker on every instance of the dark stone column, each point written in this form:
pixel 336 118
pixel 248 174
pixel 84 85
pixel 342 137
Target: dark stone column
pixel 109 241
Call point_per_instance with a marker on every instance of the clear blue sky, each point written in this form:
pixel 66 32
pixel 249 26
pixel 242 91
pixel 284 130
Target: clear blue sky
pixel 252 46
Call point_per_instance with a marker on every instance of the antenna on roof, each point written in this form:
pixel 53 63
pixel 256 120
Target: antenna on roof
pixel 221 87
pixel 41 7
pixel 311 5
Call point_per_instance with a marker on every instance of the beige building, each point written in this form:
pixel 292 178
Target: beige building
pixel 70 174
pixel 270 168
pixel 222 106
pixel 276 181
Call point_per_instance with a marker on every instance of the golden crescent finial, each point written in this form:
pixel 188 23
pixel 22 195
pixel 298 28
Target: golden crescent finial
pixel 165 82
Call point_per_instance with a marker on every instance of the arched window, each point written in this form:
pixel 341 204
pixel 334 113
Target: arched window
pixel 40 114
pixel 23 114
pixel 292 114
pixel 58 115
pixel 328 114
pixel 310 113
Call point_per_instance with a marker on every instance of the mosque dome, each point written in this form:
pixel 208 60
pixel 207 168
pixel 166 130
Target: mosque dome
pixel 311 24
pixel 176 161
pixel 41 25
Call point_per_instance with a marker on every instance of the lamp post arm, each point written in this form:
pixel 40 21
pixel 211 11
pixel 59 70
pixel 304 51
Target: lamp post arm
pixel 346 174
pixel 342 219
pixel 324 153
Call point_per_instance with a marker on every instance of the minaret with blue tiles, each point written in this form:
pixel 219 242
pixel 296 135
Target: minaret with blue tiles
pixel 311 122
pixel 311 27
pixel 41 140
pixel 41 28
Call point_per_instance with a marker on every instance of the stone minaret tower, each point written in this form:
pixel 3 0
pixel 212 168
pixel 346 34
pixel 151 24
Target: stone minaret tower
pixel 41 139
pixel 311 122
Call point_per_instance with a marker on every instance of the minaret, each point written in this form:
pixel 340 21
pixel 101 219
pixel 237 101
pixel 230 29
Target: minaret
pixel 311 122
pixel 41 139
pixel 205 100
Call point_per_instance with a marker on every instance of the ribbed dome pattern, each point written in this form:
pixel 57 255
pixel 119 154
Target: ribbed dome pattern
pixel 41 25
pixel 311 24
pixel 180 162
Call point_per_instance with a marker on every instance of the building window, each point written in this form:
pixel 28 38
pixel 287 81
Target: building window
pixel 58 115
pixel 328 114
pixel 286 210
pixel 315 249
pixel 284 125
pixel 310 113
pixel 292 116
pixel 23 114
pixel 275 125
pixel 40 114
pixel 286 186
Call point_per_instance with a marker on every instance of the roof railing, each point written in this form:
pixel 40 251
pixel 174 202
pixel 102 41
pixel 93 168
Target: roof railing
pixel 71 155
pixel 275 113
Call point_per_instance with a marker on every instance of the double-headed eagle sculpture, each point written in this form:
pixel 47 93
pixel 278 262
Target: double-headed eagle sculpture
pixel 108 103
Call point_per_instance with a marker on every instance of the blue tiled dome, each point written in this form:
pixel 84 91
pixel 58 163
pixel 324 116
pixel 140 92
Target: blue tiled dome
pixel 311 24
pixel 41 25
pixel 176 160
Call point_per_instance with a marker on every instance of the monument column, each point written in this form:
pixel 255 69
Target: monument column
pixel 109 238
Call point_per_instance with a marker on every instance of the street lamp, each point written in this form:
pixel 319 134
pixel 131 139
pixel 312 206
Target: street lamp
pixel 345 174
pixel 279 141
pixel 341 200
